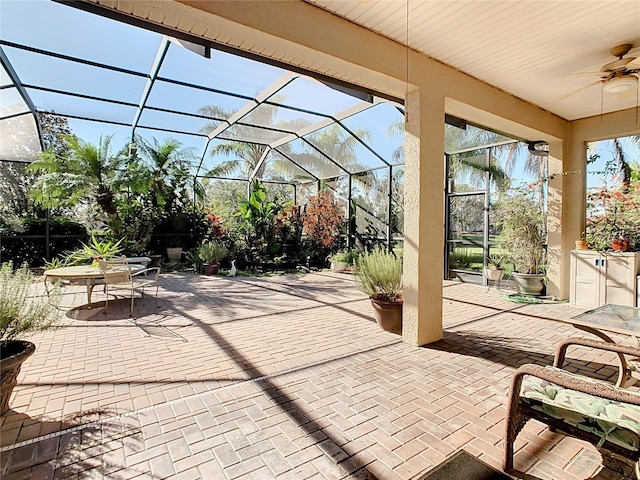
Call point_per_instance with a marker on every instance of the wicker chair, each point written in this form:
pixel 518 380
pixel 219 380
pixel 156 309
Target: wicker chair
pixel 582 407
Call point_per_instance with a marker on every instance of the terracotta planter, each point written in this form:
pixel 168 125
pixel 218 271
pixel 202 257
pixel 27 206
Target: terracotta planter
pixel 582 245
pixel 210 268
pixel 529 283
pixel 14 353
pixel 388 315
pixel 620 244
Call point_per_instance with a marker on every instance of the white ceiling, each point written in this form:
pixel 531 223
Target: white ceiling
pixel 533 49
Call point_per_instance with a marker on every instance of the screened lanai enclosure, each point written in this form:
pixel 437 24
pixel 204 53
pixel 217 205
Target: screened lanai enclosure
pixel 239 119
pixel 237 125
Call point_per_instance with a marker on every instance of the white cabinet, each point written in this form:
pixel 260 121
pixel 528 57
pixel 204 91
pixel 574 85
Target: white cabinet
pixel 601 278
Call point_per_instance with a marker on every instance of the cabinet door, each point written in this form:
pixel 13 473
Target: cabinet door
pixel 585 276
pixel 620 279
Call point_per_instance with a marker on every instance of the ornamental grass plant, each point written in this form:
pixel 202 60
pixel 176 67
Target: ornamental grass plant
pixel 379 275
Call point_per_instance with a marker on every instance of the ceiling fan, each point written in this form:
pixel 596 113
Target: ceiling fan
pixel 618 77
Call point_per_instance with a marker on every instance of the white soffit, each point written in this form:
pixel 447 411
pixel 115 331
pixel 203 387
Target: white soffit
pixel 536 50
pixel 532 49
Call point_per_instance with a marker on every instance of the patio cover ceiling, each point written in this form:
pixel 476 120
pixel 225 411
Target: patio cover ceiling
pixel 536 50
pixel 162 87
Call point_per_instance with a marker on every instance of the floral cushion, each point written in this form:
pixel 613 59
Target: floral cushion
pixel 616 422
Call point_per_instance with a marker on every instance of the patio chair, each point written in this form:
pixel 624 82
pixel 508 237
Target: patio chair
pixel 577 405
pixel 118 275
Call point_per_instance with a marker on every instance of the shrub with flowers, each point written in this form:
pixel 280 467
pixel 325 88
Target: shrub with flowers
pixel 613 216
pixel 215 228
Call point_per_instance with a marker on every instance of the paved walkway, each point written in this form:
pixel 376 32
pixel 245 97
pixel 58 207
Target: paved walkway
pixel 280 377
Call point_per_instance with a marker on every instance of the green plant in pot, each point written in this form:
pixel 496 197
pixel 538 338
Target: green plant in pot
pixel 340 260
pixel 522 221
pixel 494 270
pixel 379 276
pixel 174 250
pixel 96 249
pixel 20 314
pixel 212 253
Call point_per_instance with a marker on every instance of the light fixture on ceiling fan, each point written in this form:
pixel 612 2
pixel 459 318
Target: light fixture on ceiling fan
pixel 621 84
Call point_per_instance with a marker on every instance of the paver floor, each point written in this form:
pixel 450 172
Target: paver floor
pixel 281 377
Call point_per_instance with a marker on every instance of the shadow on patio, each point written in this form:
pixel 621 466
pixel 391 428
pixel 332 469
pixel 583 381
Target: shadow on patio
pixel 283 377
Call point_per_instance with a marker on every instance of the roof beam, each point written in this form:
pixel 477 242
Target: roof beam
pixel 151 79
pixel 274 88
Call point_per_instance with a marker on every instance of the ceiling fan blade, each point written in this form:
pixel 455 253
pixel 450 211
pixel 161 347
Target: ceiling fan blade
pixel 591 74
pixel 635 63
pixel 579 91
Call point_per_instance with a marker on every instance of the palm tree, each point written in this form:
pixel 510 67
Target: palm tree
pixel 621 157
pixel 166 174
pixel 337 144
pixel 84 172
pixel 458 139
pixel 243 157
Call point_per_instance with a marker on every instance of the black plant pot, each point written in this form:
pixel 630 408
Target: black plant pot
pixel 12 355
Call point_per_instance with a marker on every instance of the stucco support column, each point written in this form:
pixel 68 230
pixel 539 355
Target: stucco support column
pixel 566 210
pixel 423 218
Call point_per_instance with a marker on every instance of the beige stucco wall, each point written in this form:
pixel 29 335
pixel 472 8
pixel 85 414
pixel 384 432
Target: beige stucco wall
pixel 300 34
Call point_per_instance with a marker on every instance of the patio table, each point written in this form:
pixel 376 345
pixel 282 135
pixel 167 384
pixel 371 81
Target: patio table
pixel 614 319
pixel 86 275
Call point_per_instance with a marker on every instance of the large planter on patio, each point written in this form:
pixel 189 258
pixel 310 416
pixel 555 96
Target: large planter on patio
pixel 14 353
pixel 174 254
pixel 529 283
pixel 388 315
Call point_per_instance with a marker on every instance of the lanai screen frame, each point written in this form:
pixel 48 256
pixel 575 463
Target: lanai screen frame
pixel 366 100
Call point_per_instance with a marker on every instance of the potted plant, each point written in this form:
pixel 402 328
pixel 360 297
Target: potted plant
pixel 95 250
pixel 581 243
pixel 494 270
pixel 340 260
pixel 379 276
pixel 174 250
pixel 20 314
pixel 613 221
pixel 522 221
pixel 212 253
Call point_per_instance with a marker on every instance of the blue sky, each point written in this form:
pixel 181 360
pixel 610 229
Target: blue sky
pixel 37 23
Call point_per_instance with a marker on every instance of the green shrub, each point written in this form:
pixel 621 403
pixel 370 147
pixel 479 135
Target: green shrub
pixel 21 313
pixel 212 252
pixel 20 246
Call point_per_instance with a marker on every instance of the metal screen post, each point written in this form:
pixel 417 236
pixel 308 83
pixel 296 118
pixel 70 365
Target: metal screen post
pixel 350 222
pixel 485 237
pixel 448 189
pixel 47 237
pixel 389 210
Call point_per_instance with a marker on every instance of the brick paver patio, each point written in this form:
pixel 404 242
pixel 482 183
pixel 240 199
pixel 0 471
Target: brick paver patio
pixel 281 377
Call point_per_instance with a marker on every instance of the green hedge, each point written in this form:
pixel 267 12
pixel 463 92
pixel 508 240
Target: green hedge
pixel 30 245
